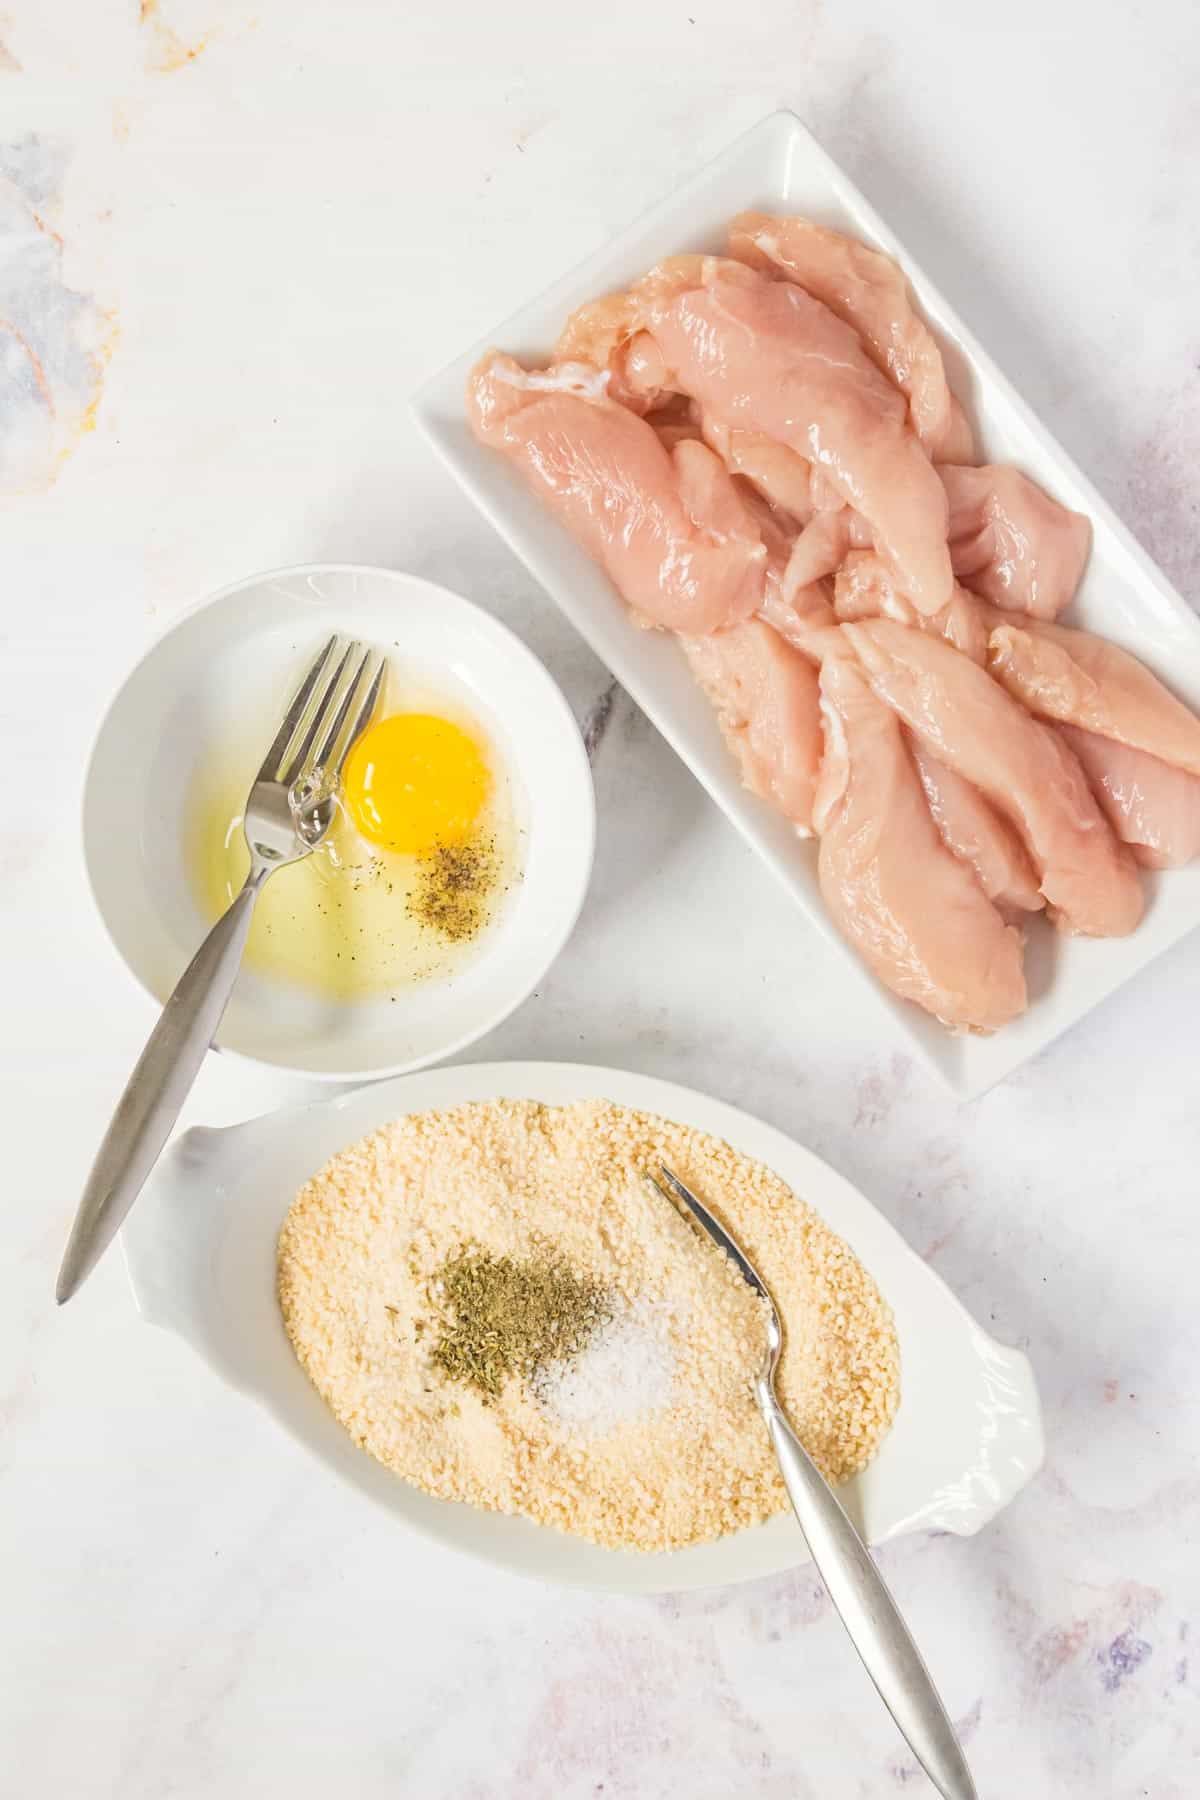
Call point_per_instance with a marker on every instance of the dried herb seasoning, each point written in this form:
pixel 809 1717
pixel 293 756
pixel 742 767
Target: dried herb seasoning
pixel 504 1316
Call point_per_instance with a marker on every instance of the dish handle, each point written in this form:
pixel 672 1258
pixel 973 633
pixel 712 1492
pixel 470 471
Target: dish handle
pixel 189 1250
pixel 1008 1444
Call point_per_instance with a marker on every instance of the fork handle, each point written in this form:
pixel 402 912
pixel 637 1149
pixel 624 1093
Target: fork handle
pixel 157 1089
pixel 868 1611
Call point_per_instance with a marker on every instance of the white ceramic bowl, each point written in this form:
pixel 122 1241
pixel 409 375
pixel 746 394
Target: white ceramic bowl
pixel 779 166
pixel 223 674
pixel 200 1250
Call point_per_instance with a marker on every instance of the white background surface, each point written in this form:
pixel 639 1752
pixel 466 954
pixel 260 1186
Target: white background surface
pixel 290 229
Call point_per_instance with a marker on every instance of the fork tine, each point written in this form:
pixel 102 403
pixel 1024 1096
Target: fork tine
pixel 294 714
pixel 676 1190
pixel 298 759
pixel 329 742
pixel 363 716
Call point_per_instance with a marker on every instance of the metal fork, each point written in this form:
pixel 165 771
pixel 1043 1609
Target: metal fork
pixel 857 1589
pixel 290 808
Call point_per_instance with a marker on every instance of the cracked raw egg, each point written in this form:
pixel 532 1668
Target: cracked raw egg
pixel 416 866
pixel 415 781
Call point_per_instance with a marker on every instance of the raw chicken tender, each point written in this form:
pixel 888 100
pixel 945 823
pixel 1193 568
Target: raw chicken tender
pixel 800 615
pixel 786 369
pixel 1084 680
pixel 865 588
pixel 1012 543
pixel 765 694
pixel 978 836
pixel 868 290
pixel 793 607
pixel 610 333
pixel 822 546
pixel 669 528
pixel 1151 805
pixel 780 475
pixel 767 356
pixel 833 454
pixel 597 330
pixel 914 912
pixel 1023 767
pixel 674 422
pixel 763 453
pixel 606 334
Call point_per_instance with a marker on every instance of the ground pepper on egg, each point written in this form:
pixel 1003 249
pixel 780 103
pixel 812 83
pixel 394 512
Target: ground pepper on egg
pixel 408 880
pixel 453 885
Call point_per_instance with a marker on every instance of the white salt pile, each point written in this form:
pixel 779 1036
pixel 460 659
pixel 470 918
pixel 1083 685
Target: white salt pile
pixel 626 1371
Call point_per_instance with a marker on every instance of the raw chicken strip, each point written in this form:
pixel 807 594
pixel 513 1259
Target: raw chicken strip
pixel 868 290
pixel 978 836
pixel 765 694
pixel 779 475
pixel 610 333
pixel 782 476
pixel 777 529
pixel 597 330
pixel 766 356
pixel 669 528
pixel 1151 805
pixel 793 608
pixel 913 911
pixel 674 422
pixel 640 377
pixel 798 614
pixel 865 588
pixel 784 490
pixel 1084 680
pixel 821 547
pixel 1022 766
pixel 1012 543
pixel 606 334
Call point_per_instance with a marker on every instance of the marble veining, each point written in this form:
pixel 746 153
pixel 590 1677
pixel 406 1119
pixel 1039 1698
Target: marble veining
pixel 597 719
pixel 54 340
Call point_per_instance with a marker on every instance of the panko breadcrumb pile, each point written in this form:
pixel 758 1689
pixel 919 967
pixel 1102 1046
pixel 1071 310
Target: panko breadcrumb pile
pixel 358 1259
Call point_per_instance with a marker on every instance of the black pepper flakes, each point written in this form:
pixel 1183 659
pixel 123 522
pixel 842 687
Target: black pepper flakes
pixel 453 887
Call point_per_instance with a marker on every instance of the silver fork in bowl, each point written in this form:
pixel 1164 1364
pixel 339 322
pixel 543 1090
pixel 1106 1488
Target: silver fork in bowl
pixel 844 1563
pixel 289 810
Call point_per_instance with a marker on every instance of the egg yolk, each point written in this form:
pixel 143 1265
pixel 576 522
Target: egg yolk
pixel 413 781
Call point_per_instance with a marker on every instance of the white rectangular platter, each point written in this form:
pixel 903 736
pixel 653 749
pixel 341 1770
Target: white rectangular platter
pixel 780 166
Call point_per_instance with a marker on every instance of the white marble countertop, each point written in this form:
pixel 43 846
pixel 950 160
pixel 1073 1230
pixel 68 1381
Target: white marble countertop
pixel 277 220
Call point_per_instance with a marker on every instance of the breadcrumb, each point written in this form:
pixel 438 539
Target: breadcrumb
pixel 363 1241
